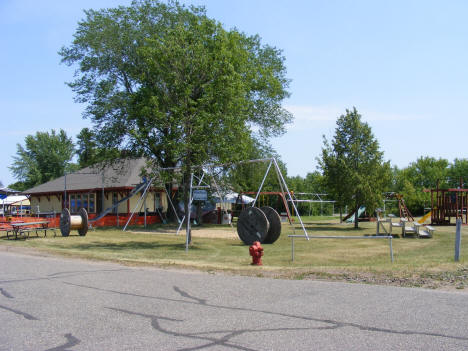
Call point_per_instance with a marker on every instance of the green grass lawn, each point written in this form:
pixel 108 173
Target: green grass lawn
pixel 418 262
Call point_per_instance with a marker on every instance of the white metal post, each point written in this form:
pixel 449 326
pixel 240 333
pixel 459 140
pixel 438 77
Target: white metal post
pixel 188 234
pixel 278 171
pixel 261 185
pixel 172 205
pixel 289 194
pixel 458 240
pixel 136 206
pixel 144 204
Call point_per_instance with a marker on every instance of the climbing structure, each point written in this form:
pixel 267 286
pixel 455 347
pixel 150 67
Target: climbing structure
pixel 448 203
pixel 404 211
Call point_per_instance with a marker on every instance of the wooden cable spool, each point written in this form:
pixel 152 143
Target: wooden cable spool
pixel 274 230
pixel 259 224
pixel 69 222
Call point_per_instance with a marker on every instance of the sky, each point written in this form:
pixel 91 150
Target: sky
pixel 402 64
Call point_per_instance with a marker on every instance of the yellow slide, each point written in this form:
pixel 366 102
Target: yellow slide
pixel 423 218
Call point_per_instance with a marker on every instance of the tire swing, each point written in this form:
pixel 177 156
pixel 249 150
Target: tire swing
pixel 68 222
pixel 259 224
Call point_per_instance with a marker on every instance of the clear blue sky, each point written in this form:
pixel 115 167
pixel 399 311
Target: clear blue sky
pixel 403 64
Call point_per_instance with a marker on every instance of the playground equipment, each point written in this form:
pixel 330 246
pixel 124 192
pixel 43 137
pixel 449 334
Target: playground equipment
pixel 265 194
pixel 404 211
pixel 448 203
pixel 425 217
pixel 406 221
pixel 264 223
pixel 313 198
pixel 350 217
pixel 412 227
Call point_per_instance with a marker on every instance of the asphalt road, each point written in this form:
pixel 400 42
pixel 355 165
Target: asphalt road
pixel 49 303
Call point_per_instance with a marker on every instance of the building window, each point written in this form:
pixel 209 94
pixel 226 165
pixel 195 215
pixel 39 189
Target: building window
pixel 157 201
pixel 115 199
pixel 86 201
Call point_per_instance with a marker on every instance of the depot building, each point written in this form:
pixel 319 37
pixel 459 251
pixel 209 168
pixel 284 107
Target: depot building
pixel 98 188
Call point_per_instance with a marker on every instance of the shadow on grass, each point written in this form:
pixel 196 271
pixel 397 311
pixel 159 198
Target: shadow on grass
pixel 131 245
pixel 332 228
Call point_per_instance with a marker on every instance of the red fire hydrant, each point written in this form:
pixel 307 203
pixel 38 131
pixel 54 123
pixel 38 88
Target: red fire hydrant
pixel 256 251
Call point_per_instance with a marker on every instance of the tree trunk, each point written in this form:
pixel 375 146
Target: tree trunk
pixel 341 214
pixel 199 213
pixel 171 216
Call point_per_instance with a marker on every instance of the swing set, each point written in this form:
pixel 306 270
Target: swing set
pixel 198 182
pixel 265 199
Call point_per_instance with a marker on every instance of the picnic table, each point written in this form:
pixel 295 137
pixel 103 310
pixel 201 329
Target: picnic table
pixel 22 228
pixel 5 226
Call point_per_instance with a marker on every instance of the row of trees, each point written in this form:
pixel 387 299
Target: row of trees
pixel 354 173
pixel 352 170
pixel 48 155
pixel 164 81
pixel 410 181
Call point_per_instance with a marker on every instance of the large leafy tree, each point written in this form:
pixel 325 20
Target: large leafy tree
pixel 44 157
pixel 90 152
pixel 168 82
pixel 458 170
pixel 353 166
pixel 422 174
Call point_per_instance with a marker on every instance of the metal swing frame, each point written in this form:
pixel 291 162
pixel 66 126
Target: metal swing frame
pixel 271 163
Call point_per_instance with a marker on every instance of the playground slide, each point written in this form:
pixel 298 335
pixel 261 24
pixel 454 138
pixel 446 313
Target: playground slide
pixel 423 218
pixel 109 209
pixel 360 212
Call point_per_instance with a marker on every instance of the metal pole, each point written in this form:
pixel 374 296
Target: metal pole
pixel 65 191
pixel 187 234
pixel 261 185
pixel 458 240
pixel 102 198
pixel 144 204
pixel 136 206
pixel 180 225
pixel 391 248
pixel 289 194
pixel 172 205
pixel 292 249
